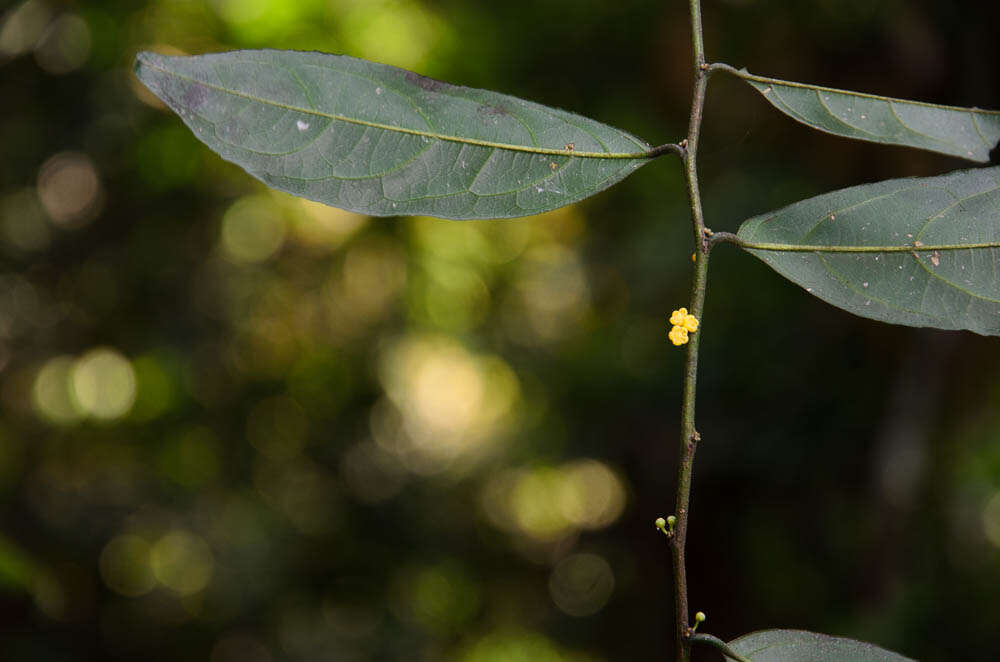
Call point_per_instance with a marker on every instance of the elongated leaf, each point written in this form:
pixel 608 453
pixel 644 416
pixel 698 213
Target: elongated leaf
pixel 380 140
pixel 920 252
pixel 968 133
pixel 800 646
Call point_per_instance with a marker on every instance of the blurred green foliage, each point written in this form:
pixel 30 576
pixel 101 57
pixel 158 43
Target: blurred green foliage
pixel 239 426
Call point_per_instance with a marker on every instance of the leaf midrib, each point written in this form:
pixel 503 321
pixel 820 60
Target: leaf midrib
pixel 856 248
pixel 399 129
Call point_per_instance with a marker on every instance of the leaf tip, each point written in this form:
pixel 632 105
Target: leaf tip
pixel 142 59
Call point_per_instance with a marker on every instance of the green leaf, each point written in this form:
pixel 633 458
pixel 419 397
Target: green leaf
pixel 920 252
pixel 968 133
pixel 383 141
pixel 800 646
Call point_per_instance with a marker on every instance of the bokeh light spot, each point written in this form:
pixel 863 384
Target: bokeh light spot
pixel 23 27
pixel 591 496
pixel 456 298
pixel 182 561
pixel 458 243
pixel 253 230
pixel 70 189
pixel 103 384
pixel 446 390
pixel 318 225
pixel 397 32
pixel 51 392
pixel 581 584
pixel 549 503
pixel 273 22
pixel 535 504
pixel 453 404
pixel 125 566
pixel 65 45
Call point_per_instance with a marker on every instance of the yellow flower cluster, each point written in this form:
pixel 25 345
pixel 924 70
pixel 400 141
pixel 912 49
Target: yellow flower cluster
pixel 683 324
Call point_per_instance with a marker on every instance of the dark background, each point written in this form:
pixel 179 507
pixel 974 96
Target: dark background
pixel 234 426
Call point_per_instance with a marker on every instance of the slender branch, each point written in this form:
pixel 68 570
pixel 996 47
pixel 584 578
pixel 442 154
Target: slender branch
pixel 916 247
pixel 694 125
pixel 689 436
pixel 689 444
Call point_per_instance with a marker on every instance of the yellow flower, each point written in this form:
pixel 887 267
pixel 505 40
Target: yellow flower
pixel 678 335
pixel 681 318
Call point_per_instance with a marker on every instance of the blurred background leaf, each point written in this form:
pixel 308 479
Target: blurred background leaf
pixel 239 426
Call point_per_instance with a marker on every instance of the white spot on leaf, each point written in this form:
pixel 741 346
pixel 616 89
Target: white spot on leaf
pixel 302 125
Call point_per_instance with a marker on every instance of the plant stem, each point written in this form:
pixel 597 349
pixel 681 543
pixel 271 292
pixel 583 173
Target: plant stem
pixel 689 436
pixel 694 126
pixel 689 443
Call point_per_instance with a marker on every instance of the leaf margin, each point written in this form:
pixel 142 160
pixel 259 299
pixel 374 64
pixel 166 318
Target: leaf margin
pixel 924 254
pixel 764 84
pixel 146 61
